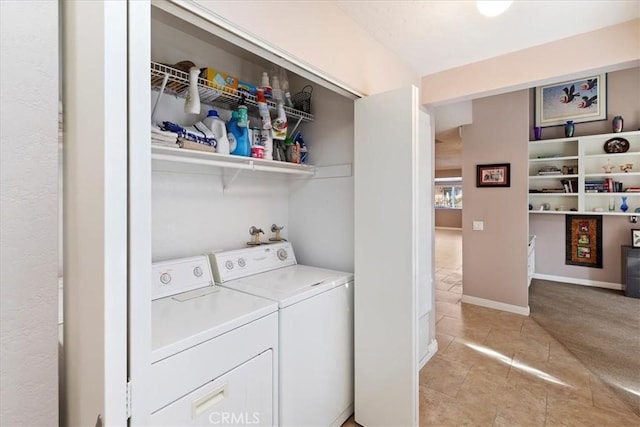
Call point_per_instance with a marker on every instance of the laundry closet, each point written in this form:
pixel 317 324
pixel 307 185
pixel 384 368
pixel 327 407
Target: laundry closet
pixel 355 206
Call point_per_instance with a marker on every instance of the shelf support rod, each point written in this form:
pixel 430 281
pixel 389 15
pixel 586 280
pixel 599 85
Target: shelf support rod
pixel 226 184
pixel 155 106
pixel 292 134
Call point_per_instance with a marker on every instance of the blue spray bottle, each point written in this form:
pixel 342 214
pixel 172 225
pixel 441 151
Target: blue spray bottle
pixel 240 135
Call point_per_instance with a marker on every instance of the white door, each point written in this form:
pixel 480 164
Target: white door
pixel 389 233
pixel 95 212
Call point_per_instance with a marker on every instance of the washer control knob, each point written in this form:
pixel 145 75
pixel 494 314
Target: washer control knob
pixel 282 254
pixel 229 265
pixel 197 272
pixel 241 262
pixel 165 278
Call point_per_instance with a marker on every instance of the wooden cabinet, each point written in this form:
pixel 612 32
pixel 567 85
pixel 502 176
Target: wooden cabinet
pixel 578 175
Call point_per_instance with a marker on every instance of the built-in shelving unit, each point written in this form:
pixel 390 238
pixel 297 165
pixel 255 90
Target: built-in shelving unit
pixel 569 175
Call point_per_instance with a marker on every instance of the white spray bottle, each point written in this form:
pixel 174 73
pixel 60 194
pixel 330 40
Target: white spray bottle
pixel 192 101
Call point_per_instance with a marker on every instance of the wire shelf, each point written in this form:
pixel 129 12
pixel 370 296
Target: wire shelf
pixel 211 93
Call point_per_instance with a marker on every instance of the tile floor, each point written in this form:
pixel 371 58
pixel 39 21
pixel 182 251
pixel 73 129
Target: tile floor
pixel 496 368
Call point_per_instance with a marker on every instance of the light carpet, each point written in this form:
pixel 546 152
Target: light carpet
pixel 601 327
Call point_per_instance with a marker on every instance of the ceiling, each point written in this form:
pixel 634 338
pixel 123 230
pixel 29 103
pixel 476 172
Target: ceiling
pixel 434 35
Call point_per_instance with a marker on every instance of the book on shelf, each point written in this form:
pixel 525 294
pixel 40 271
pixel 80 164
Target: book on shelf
pixel 632 190
pixel 570 185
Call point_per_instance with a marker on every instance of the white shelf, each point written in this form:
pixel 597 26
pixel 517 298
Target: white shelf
pixel 535 177
pixel 554 194
pixel 227 161
pixel 552 159
pixel 177 84
pixel 587 153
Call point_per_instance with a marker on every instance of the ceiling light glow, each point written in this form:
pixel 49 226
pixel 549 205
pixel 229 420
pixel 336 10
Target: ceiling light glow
pixel 492 7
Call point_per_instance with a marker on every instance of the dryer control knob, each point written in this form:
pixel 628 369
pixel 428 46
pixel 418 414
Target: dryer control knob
pixel 197 272
pixel 229 265
pixel 282 254
pixel 241 262
pixel 165 278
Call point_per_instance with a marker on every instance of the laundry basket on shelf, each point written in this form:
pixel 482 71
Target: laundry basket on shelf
pixel 302 100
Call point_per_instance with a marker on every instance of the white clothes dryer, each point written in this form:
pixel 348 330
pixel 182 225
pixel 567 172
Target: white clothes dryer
pixel 214 350
pixel 315 329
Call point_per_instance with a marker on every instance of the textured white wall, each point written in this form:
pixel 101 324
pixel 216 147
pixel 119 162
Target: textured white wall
pixel 28 213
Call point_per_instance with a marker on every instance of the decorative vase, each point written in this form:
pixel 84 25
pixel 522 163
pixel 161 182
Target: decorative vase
pixel 537 133
pixel 624 206
pixel 617 124
pixel 569 127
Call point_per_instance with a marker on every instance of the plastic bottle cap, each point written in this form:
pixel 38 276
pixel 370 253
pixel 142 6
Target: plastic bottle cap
pixel 212 113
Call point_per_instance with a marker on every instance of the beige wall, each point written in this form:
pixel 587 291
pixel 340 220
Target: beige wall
pixel 615 46
pixel 495 261
pixel 451 218
pixel 550 248
pixel 321 35
pixel 623 99
pixel 446 173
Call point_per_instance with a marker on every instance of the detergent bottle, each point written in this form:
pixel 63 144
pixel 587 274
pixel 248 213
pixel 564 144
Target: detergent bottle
pixel 238 137
pixel 217 126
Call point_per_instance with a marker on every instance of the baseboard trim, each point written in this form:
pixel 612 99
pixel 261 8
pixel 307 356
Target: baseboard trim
pixel 496 305
pixel 448 228
pixel 433 349
pixel 581 282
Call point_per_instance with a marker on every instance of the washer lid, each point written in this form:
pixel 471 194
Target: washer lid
pixel 190 318
pixel 289 285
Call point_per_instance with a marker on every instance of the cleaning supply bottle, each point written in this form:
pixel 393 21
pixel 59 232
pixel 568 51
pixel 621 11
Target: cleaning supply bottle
pixel 266 88
pixel 243 113
pixel 217 126
pixel 277 92
pixel 240 137
pixel 263 109
pixel 192 101
pixel 279 125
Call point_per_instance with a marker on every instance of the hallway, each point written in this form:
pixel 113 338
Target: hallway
pixel 502 369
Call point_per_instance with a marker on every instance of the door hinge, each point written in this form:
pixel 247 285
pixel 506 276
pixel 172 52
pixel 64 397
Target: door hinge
pixel 128 397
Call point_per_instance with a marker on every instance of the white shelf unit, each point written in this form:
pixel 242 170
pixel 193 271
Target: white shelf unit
pixel 588 155
pixel 551 153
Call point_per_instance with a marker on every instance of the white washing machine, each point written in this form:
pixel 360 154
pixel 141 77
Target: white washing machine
pixel 214 350
pixel 315 329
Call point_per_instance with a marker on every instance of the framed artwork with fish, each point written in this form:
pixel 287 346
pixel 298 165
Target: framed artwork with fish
pixel 580 100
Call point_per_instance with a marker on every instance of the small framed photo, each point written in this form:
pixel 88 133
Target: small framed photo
pixel 583 239
pixel 495 175
pixel 580 100
pixel 635 238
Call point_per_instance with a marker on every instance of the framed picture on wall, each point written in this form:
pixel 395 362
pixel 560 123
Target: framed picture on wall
pixel 583 245
pixel 635 238
pixel 580 100
pixel 494 175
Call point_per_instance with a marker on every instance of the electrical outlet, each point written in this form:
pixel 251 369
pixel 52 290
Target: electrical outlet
pixel 633 219
pixel 478 225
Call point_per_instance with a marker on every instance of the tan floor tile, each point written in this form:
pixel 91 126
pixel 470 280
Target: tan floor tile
pixel 520 417
pixel 437 409
pixel 560 383
pixel 443 375
pixel 460 328
pixel 443 341
pixel 529 395
pixel 478 357
pixel 531 328
pixel 506 341
pixel 449 309
pixel 447 296
pixel 569 412
pixel 456 289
